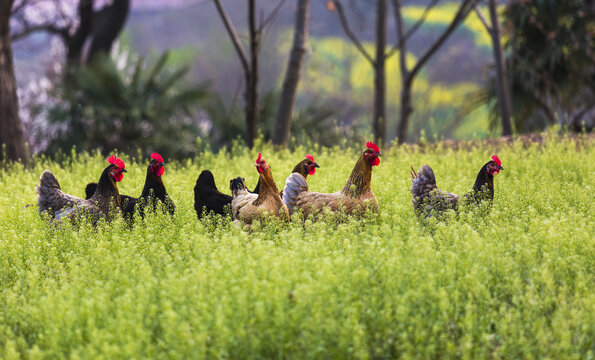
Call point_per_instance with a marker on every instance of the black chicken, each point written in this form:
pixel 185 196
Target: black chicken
pixel 153 190
pixel 105 199
pixel 209 198
pixel 428 200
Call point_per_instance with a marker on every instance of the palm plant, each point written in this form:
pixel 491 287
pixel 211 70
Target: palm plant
pixel 137 106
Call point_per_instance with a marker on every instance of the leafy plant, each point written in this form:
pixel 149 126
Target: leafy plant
pixel 138 106
pixel 517 283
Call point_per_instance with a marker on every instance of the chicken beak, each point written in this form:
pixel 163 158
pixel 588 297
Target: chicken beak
pixel 124 170
pixel 500 167
pixel 379 154
pixel 316 165
pixel 161 164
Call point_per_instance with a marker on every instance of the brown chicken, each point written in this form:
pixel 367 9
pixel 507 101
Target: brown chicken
pixel 429 201
pixel 207 198
pixel 247 206
pixel 105 199
pixel 355 198
pixel 305 167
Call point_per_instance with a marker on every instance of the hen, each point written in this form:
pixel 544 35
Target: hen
pixel 304 168
pixel 153 190
pixel 247 206
pixel 105 198
pixel 207 198
pixel 355 197
pixel 428 200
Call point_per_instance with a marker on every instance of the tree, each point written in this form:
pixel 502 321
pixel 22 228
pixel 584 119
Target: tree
pixel 551 46
pixel 408 76
pixel 378 62
pixel 100 28
pixel 292 76
pixel 11 134
pixel 501 78
pixel 249 65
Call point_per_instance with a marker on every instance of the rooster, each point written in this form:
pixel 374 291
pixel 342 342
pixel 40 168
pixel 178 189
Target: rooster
pixel 153 190
pixel 207 197
pixel 355 198
pixel 105 198
pixel 428 200
pixel 247 206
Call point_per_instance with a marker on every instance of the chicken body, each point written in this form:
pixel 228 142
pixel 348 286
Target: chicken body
pixel 429 201
pixel 105 199
pixel 208 198
pixel 355 198
pixel 247 207
pixel 153 190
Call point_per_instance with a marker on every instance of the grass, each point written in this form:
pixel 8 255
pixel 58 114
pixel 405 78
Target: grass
pixel 519 283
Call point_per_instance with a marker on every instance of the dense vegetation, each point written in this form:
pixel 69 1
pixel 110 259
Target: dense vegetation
pixel 518 283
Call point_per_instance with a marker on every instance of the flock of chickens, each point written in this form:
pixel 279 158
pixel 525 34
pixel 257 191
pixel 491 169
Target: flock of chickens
pixel 103 199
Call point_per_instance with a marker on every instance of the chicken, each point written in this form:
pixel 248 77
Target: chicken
pixel 305 167
pixel 355 197
pixel 153 190
pixel 208 198
pixel 247 206
pixel 428 200
pixel 105 199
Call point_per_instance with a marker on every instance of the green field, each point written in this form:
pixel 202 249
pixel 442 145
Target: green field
pixel 516 284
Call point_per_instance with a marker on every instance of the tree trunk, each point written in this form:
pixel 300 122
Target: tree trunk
pixel 406 109
pixel 292 76
pixel 75 43
pixel 379 120
pixel 11 134
pixel 407 81
pixel 252 79
pixel 107 24
pixel 501 78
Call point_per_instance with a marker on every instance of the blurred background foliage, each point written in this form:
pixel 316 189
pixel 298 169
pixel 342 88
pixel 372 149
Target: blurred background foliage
pixel 130 106
pixel 169 81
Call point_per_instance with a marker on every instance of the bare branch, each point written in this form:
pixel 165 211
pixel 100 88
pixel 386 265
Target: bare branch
pixel 483 20
pixel 350 33
pixel 29 29
pixel 269 19
pixel 463 11
pixel 413 29
pixel 233 35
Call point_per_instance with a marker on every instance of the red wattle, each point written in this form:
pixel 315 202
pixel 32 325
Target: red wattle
pixel 158 171
pixel 118 177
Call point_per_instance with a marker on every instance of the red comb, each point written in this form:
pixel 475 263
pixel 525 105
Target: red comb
pixel 496 160
pixel 259 158
pixel 156 157
pixel 115 161
pixel 308 156
pixel 374 147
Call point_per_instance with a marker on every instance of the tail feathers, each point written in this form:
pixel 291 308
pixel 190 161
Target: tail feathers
pixel 90 190
pixel 423 181
pixel 294 185
pixel 47 190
